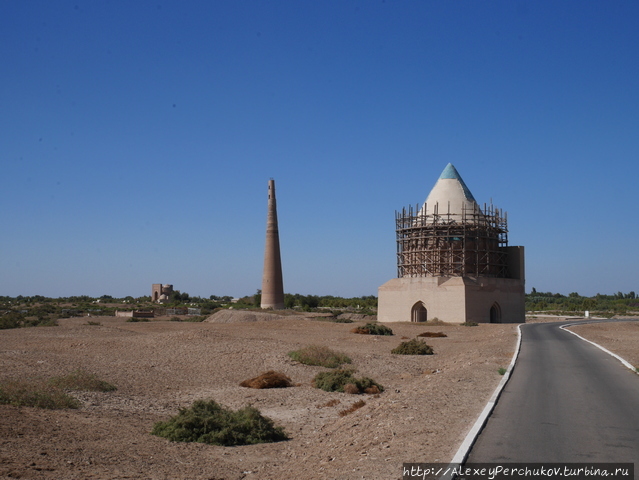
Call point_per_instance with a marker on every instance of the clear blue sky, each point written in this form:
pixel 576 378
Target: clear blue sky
pixel 137 139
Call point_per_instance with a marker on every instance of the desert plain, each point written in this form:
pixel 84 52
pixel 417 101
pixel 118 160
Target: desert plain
pixel 428 405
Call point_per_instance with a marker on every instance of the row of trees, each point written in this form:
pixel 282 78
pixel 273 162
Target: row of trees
pixel 311 302
pixel 618 303
pixel 43 307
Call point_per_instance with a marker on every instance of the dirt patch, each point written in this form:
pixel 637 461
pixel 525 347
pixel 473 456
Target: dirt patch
pixel 428 405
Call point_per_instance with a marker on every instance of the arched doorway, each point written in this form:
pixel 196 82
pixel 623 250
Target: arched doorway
pixel 495 313
pixel 418 313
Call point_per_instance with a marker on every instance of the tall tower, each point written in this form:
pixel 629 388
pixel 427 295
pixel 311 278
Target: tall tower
pixel 272 283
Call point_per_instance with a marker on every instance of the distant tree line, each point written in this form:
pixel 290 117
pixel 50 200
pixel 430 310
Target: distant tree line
pixel 615 304
pixel 314 302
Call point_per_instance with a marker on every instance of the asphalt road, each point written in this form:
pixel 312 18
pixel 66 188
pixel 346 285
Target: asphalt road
pixel 566 401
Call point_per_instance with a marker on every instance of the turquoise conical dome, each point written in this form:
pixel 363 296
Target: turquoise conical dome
pixel 449 195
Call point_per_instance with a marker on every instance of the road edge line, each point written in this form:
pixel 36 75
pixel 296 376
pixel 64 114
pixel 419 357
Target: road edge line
pixel 623 361
pixel 471 436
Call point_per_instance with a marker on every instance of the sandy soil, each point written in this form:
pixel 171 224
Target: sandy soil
pixel 621 338
pixel 429 404
pixel 425 412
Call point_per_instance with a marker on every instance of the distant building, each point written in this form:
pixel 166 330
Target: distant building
pixel 161 293
pixel 454 262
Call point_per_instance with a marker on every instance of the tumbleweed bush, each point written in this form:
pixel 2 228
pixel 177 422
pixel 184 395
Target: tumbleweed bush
pixel 270 379
pixel 413 347
pixel 373 329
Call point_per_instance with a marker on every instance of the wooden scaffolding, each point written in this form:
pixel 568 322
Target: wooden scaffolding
pixel 451 244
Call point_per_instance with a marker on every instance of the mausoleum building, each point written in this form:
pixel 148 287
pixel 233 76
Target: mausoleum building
pixel 454 262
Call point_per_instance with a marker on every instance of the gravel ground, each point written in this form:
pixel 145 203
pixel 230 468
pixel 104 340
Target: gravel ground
pixel 428 406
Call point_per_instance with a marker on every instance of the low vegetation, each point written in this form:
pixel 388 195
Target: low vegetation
pixel 52 393
pixel 35 393
pixel 413 347
pixel 189 318
pixel 320 356
pixel 334 318
pixel 81 380
pixel 344 380
pixel 501 370
pixel 208 422
pixel 356 406
pixel 270 379
pixel 432 334
pixel 470 324
pixel 373 329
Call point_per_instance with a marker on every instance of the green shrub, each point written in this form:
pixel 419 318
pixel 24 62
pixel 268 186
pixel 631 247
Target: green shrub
pixel 470 324
pixel 413 347
pixel 39 322
pixel 93 323
pixel 175 319
pixel 208 422
pixel 501 370
pixel 343 320
pixel 35 393
pixel 336 380
pixel 373 329
pixel 320 356
pixel 11 320
pixel 82 380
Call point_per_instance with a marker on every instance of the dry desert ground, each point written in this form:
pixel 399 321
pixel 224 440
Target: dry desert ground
pixel 428 406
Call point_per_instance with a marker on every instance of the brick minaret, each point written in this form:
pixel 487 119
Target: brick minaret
pixel 272 283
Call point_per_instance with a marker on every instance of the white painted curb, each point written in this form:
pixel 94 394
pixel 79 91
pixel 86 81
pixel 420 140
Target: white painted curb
pixel 472 435
pixel 464 449
pixel 624 362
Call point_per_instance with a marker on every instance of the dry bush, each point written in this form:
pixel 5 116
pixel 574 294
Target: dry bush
pixel 270 379
pixel 351 388
pixel 373 329
pixel 432 334
pixel 330 403
pixel 413 347
pixel 372 390
pixel 319 356
pixel 352 408
pixel 337 380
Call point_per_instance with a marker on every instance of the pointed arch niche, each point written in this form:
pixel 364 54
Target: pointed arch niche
pixel 418 313
pixel 495 313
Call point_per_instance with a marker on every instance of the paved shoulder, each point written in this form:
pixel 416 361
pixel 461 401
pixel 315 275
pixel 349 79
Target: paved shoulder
pixel 566 401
